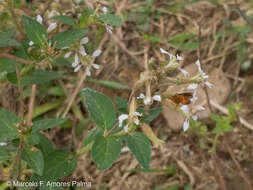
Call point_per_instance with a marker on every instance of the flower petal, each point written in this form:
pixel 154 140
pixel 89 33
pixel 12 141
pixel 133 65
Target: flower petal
pixel 68 54
pixel 186 124
pixel 39 19
pixel 51 27
pixel 77 68
pixel 95 66
pixel 192 86
pixel 157 98
pixel 87 71
pixel 96 53
pixel 84 40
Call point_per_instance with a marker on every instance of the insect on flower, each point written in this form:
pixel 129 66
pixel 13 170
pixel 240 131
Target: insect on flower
pixel 182 98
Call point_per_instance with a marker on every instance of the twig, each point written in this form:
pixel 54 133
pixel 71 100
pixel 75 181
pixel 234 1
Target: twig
pixel 187 171
pixel 31 105
pixel 241 173
pixel 17 59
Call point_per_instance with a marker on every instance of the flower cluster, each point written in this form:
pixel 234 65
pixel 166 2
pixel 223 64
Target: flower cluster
pixel 147 100
pixel 79 55
pixel 134 116
pixel 202 77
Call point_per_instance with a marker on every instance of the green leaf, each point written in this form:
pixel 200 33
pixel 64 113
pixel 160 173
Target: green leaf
pixel 184 41
pixel 100 107
pixel 67 38
pixel 4 155
pixel 91 136
pixel 34 31
pixel 110 84
pixel 105 151
pixel 6 39
pixel 153 113
pixel 65 19
pixel 44 145
pixel 140 147
pixel 44 124
pixel 7 129
pixel 122 105
pixel 37 77
pixel 33 139
pixel 58 165
pixel 111 19
pixel 34 159
pixel 8 65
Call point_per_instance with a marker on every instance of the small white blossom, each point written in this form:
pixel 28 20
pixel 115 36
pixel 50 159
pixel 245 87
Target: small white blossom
pixel 95 66
pixel 67 55
pixel 199 108
pixel 122 118
pixel 185 73
pixel 195 118
pixel 192 86
pixel 31 43
pixel 3 143
pixel 77 68
pixel 185 109
pixel 141 96
pixel 179 58
pixel 84 40
pixel 51 27
pixel 137 122
pixel 82 51
pixel 96 53
pixel 125 149
pixel 126 128
pixel 137 114
pixel 108 28
pixel 157 98
pixel 167 53
pixel 39 19
pixel 105 10
pixel 186 124
pixel 147 100
pixel 194 97
pixel 87 71
pixel 208 84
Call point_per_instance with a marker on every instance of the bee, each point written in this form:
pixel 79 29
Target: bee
pixel 183 98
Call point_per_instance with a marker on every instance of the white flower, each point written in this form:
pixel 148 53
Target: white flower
pixel 105 10
pixel 77 68
pixel 84 40
pixel 179 58
pixel 108 28
pixel 186 124
pixel 137 114
pixel 126 128
pixel 199 108
pixel 141 96
pixel 39 19
pixel 82 51
pixel 87 71
pixel 51 27
pixel 125 149
pixel 195 118
pixel 95 66
pixel 167 53
pixel 67 55
pixel 147 100
pixel 185 73
pixel 208 84
pixel 122 118
pixel 3 143
pixel 192 86
pixel 157 98
pixel 96 53
pixel 31 43
pixel 78 1
pixel 194 97
pixel 185 109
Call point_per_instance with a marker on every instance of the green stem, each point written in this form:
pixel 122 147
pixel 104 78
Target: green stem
pixel 215 142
